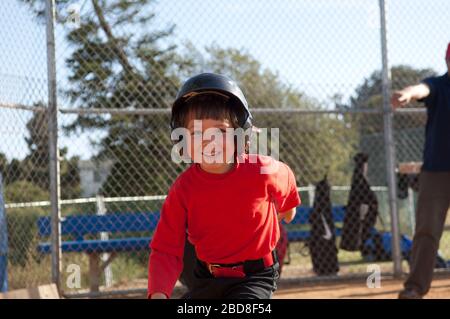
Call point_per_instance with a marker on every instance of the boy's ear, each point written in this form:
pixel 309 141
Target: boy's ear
pixel 245 143
pixel 180 145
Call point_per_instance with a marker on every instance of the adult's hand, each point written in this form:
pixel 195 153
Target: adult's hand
pixel 405 96
pixel 401 98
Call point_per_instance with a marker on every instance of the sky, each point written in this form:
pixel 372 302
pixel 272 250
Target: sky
pixel 320 47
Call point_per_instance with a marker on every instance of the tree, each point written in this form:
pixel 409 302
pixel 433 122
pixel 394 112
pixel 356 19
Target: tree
pixel 23 191
pixel 115 65
pixel 3 164
pixel 125 71
pixel 14 171
pixel 35 166
pixel 312 144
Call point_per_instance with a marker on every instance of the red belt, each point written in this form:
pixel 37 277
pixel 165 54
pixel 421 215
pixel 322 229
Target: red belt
pixel 237 270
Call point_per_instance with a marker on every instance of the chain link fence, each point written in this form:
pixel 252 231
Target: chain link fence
pixel 312 69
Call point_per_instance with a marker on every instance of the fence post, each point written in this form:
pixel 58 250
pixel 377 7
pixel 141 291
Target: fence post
pixel 101 210
pixel 52 113
pixel 3 242
pixel 412 210
pixel 389 145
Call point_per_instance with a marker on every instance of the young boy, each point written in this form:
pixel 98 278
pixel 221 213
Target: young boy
pixel 227 200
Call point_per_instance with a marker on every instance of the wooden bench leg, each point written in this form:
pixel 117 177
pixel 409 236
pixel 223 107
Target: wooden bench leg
pixel 96 269
pixel 94 272
pixel 288 261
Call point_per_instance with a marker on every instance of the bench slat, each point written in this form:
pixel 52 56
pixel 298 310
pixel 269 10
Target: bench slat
pixel 80 225
pixel 303 235
pixel 303 212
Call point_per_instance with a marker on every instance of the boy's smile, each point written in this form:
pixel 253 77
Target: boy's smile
pixel 211 144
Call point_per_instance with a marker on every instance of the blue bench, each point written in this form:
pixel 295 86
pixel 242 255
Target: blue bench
pixel 302 218
pixel 78 227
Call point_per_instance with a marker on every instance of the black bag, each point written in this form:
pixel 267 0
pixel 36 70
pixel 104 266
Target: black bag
pixel 405 181
pixel 361 210
pixel 322 242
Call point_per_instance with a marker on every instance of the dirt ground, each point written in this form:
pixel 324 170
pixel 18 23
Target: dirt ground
pixel 291 286
pixel 351 289
pixel 357 290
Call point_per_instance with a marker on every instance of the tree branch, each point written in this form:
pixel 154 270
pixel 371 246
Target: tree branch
pixel 117 49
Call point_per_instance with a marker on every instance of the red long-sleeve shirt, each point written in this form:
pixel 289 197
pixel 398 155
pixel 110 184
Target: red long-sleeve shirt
pixel 229 217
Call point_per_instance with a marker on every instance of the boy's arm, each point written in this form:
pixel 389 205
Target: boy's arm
pixel 164 270
pixel 406 95
pixel 288 215
pixel 283 189
pixel 167 247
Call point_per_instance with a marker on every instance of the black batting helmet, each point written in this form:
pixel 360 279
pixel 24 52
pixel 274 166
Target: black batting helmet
pixel 211 83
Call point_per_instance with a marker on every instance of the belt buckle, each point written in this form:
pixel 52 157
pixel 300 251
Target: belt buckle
pixel 219 271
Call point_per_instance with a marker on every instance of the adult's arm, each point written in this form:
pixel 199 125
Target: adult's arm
pixel 409 93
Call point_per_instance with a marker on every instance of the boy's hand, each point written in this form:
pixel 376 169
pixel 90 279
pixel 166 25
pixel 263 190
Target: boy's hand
pixel 288 215
pixel 158 295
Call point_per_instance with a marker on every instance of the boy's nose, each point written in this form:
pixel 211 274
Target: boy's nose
pixel 210 142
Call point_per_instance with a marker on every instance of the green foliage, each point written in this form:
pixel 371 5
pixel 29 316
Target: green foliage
pixel 113 66
pixel 22 235
pixel 22 222
pixel 24 191
pixel 33 170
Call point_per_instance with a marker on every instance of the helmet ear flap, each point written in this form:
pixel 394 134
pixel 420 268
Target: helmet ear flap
pixel 244 119
pixel 174 118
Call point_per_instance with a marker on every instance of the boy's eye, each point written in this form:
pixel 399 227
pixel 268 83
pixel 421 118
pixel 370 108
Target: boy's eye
pixel 219 130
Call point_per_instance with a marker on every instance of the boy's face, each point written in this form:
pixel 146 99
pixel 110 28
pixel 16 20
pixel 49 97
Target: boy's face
pixel 211 144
